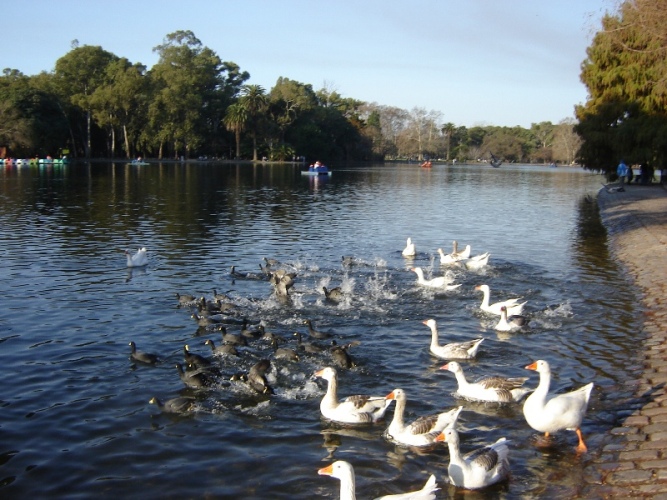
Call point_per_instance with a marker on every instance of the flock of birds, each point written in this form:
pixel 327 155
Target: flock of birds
pixel 544 412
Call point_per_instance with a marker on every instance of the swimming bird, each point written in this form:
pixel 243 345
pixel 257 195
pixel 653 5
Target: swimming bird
pixel 340 356
pixel 479 468
pixel 257 377
pixel 476 262
pixel 307 347
pixel 283 352
pixel 559 412
pixel 186 299
pixel 316 334
pixel 510 323
pixel 447 259
pixel 513 305
pixel 358 409
pixel 345 473
pixel 422 431
pixel 409 250
pixel 196 360
pixel 248 332
pixel 334 295
pixel 455 350
pixel 193 379
pixel 493 389
pixel 232 338
pixel 143 357
pixel 460 254
pixel 175 405
pixel 437 282
pixel 222 349
pixel 139 259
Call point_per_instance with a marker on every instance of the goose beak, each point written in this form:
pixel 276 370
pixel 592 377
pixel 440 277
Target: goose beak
pixel 326 471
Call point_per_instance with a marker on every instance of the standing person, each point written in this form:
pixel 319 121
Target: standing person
pixel 622 172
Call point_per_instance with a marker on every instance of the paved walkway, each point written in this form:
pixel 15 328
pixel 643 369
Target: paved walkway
pixel 633 459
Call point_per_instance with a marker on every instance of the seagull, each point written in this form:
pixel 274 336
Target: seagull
pixel 139 259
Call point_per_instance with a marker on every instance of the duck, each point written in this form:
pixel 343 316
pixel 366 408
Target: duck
pixel 334 295
pixel 455 350
pixel 559 412
pixel 196 360
pixel 358 409
pixel 143 357
pixel 306 346
pixel 491 389
pixel 221 297
pixel 513 305
pixel 437 282
pixel 186 299
pixel 316 334
pixel 409 250
pixel 193 379
pixel 139 259
pixel 249 333
pixel 510 323
pixel 340 356
pixel 344 471
pixel 222 349
pixel 257 377
pixel 422 431
pixel 232 338
pixel 479 468
pixel 175 405
pixel 284 353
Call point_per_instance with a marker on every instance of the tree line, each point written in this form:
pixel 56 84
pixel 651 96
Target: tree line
pixel 193 104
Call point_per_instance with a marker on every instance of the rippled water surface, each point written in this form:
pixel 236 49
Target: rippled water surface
pixel 75 417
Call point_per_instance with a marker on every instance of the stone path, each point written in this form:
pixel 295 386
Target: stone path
pixel 633 459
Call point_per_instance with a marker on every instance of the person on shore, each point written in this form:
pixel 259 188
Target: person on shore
pixel 622 172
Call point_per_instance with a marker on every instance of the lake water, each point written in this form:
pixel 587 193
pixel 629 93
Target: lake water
pixel 75 418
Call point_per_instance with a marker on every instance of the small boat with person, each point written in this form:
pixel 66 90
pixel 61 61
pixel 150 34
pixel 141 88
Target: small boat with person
pixel 317 169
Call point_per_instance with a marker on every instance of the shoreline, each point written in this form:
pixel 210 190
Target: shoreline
pixel 632 460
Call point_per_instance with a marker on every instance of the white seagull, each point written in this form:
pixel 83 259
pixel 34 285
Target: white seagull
pixel 139 259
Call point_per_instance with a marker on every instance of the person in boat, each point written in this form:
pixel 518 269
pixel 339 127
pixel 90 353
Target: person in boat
pixel 318 167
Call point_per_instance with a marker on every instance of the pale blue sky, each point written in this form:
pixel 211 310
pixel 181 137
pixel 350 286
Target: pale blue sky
pixel 478 62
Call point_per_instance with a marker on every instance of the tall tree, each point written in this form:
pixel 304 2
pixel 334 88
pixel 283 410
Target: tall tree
pixel 235 121
pixel 78 74
pixel 626 75
pixel 254 100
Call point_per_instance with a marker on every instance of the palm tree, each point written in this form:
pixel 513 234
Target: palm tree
pixel 235 120
pixel 254 100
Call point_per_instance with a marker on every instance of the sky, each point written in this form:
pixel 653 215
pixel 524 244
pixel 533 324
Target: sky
pixel 476 62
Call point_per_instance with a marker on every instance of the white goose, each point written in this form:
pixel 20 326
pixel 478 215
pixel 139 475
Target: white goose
pixel 479 468
pixel 562 411
pixel 437 282
pixel 409 250
pixel 477 262
pixel 493 389
pixel 513 305
pixel 345 473
pixel 359 409
pixel 139 259
pixel 455 350
pixel 510 323
pixel 448 259
pixel 421 432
